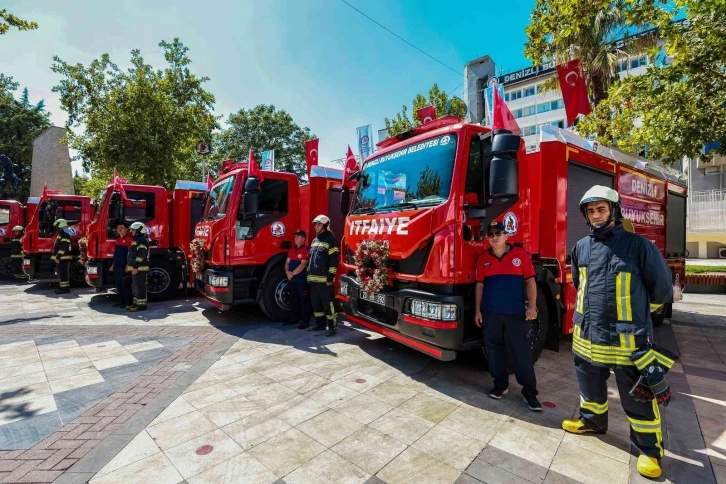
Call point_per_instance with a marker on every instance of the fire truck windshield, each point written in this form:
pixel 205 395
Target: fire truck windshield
pixel 4 214
pixel 218 199
pixel 415 176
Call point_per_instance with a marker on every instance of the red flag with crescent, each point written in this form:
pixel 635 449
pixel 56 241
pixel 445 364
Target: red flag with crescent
pixel 118 184
pixel 255 168
pixel 209 181
pixel 311 153
pixel 502 117
pixel 426 114
pixel 351 166
pixel 574 90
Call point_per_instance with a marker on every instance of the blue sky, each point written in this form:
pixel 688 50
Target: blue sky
pixel 328 66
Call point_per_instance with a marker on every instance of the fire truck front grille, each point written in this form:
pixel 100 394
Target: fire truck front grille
pixel 382 314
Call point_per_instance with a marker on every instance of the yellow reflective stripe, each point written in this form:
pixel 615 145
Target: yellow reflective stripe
pixel 333 250
pixel 139 259
pixel 333 314
pixel 318 315
pixel 645 360
pixel 60 252
pixel 333 270
pixel 596 408
pixel 654 307
pixel 627 341
pixel 319 244
pixel 608 355
pixel 647 426
pixel 580 302
pixel 142 247
pixel 622 297
pixel 64 240
pixel 16 256
pixel 664 360
pixel 67 257
pixel 143 268
pixel 317 278
pixel 659 433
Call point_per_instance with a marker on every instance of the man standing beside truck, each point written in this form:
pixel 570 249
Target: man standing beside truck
pixel 324 254
pixel 121 278
pixel 620 278
pixel 16 253
pixel 296 271
pixel 138 265
pixel 62 255
pixel 504 278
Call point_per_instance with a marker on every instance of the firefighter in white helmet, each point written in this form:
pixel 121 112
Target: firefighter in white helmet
pixel 323 262
pixel 138 265
pixel 62 255
pixel 619 277
pixel 16 253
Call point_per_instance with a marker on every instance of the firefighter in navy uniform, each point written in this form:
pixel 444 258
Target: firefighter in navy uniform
pixel 323 263
pixel 16 253
pixel 138 265
pixel 62 255
pixel 620 278
pixel 121 278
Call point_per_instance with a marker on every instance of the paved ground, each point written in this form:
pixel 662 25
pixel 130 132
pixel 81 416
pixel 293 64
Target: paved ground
pixel 185 394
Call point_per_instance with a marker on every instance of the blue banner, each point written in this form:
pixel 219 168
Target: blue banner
pixel 365 141
pixel 268 160
pixel 489 95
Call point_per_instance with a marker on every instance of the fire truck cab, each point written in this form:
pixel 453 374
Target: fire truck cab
pixel 12 213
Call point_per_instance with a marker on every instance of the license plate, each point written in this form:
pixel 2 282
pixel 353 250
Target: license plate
pixel 374 298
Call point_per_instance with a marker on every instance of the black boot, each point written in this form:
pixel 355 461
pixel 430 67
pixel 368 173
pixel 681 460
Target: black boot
pixel 62 290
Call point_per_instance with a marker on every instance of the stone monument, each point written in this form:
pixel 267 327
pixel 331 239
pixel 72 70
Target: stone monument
pixel 51 163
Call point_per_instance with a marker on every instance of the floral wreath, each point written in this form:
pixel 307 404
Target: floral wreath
pixel 371 261
pixel 197 248
pixel 83 250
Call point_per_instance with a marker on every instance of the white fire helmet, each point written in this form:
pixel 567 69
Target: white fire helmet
pixel 323 219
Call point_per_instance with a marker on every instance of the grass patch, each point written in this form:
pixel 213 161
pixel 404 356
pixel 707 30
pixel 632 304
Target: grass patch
pixel 691 269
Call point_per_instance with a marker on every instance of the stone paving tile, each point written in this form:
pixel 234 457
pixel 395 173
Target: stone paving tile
pixel 24 433
pixel 403 426
pixel 330 427
pixel 241 469
pixel 286 452
pixel 369 449
pixel 157 465
pixel 198 455
pixel 413 466
pixel 327 468
pixel 449 446
pixel 586 466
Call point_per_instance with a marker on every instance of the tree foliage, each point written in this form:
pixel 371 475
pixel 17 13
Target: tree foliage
pixel 445 106
pixel 560 31
pixel 143 121
pixel 8 20
pixel 20 123
pixel 674 110
pixel 263 128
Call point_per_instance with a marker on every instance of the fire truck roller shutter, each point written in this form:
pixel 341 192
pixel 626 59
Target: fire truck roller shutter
pixel 579 180
pixel 676 225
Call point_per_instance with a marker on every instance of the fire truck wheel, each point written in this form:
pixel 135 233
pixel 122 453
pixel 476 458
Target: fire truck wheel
pixel 77 274
pixel 162 280
pixel 659 316
pixel 6 270
pixel 275 300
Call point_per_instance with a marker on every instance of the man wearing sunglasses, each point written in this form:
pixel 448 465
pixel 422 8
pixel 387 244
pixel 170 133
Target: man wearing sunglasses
pixel 506 295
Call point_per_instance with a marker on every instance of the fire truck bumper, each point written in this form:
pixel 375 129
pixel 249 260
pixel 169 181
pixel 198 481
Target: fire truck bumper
pixel 94 273
pixel 428 322
pixel 38 266
pixel 215 285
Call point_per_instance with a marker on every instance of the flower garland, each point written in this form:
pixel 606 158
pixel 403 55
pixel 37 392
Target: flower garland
pixel 371 261
pixel 83 250
pixel 197 248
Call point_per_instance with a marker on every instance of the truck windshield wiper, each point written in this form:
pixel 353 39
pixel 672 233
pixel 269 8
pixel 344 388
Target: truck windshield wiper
pixel 363 211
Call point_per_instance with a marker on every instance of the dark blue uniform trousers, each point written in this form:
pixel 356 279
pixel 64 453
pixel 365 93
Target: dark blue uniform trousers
pixel 122 281
pixel 298 301
pixel 515 327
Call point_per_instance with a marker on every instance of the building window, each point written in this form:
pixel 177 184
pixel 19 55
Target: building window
pixel 543 108
pixel 506 96
pixel 530 110
pixel 514 95
pixel 557 104
pixel 559 124
pixel 530 91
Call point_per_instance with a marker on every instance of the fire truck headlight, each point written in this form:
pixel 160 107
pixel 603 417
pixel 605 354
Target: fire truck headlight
pixel 91 269
pixel 448 312
pixel 433 310
pixel 26 262
pixel 344 288
pixel 219 281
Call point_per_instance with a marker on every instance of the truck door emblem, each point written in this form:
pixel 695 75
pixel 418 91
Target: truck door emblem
pixel 511 224
pixel 278 229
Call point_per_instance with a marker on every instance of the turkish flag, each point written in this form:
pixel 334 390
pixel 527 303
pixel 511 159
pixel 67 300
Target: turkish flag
pixel 209 181
pixel 44 196
pixel 351 166
pixel 255 169
pixel 311 153
pixel 427 114
pixel 502 116
pixel 118 184
pixel 574 90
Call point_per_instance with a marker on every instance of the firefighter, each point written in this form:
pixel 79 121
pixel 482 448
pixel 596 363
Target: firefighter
pixel 296 271
pixel 138 265
pixel 620 277
pixel 16 253
pixel 322 265
pixel 506 293
pixel 62 255
pixel 121 278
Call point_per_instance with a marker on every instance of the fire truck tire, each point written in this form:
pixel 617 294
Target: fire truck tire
pixel 77 274
pixel 659 316
pixel 274 300
pixel 6 270
pixel 162 280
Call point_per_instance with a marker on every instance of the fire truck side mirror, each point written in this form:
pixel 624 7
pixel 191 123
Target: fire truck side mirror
pixel 503 169
pixel 345 202
pixel 250 198
pixel 114 210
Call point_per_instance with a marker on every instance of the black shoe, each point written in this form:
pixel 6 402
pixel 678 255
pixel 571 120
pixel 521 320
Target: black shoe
pixel 330 332
pixel 498 393
pixel 134 309
pixel 303 325
pixel 533 403
pixel 62 291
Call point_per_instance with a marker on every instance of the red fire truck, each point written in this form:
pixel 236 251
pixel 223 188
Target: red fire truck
pixel 12 213
pixel 170 216
pixel 431 193
pixel 247 229
pixel 40 233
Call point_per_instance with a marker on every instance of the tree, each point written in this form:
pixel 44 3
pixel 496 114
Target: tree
pixel 20 123
pixel 144 122
pixel 585 30
pixel 444 104
pixel 263 128
pixel 674 110
pixel 8 20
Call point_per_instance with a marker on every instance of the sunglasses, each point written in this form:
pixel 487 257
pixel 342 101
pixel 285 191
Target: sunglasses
pixel 491 235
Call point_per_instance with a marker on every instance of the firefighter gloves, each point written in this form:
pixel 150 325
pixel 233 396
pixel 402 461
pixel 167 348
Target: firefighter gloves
pixel 653 362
